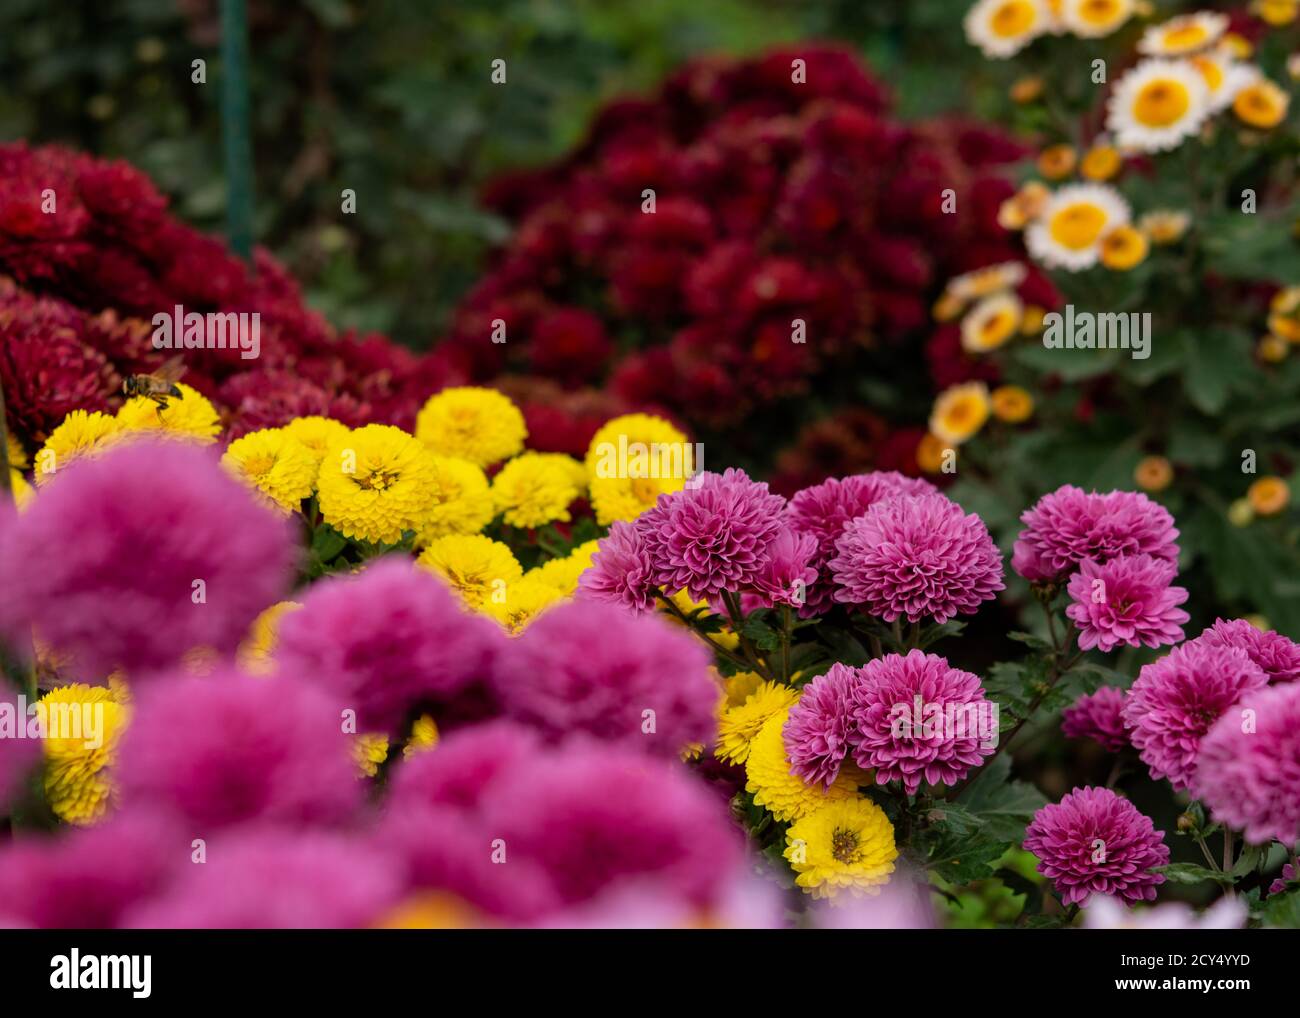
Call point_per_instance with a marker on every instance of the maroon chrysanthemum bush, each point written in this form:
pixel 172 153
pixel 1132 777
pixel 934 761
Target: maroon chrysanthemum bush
pixel 774 200
pixel 89 254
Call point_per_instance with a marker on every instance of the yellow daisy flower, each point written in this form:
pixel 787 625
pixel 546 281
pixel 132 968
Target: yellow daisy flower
pixel 1157 105
pixel 1268 496
pixel 479 425
pixel 1153 473
pixel 1101 162
pixel 189 415
pixel 533 489
pixel 631 461
pixel 78 436
pixel 1002 28
pixel 280 469
pixel 1261 104
pixel 462 499
pixel 256 654
pixel 316 433
pixel 844 845
pixel 1188 33
pixel 738 725
pixel 369 750
pixel 959 412
pixel 375 483
pixel 1011 403
pixel 563 573
pixel 1123 248
pixel 991 322
pixel 82 726
pixel 1072 223
pixel 783 794
pixel 518 603
pixel 1092 19
pixel 477 567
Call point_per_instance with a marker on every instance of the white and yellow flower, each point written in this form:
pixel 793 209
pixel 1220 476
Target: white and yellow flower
pixel 1223 76
pixel 1068 233
pixel 1188 33
pixel 1157 105
pixel 1002 28
pixel 991 322
pixel 1092 19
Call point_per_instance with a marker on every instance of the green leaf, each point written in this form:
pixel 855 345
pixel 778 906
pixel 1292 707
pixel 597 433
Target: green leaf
pixel 1030 640
pixel 1004 807
pixel 1188 873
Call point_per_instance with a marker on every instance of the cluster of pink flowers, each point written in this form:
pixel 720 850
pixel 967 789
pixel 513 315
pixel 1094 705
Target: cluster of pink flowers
pixel 888 545
pixel 911 718
pixel 89 254
pixel 776 199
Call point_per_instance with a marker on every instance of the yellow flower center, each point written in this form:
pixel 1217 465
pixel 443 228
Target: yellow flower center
pixel 1013 19
pixel 1077 226
pixel 1210 71
pixel 963 412
pixel 1161 102
pixel 844 845
pixel 378 480
pixel 1185 37
pixel 1099 12
pixel 259 465
pixel 997 327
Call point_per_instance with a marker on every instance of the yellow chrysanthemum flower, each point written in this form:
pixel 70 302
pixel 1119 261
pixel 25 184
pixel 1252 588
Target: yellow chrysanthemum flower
pixel 23 492
pixel 738 688
pixel 785 795
pixel 317 434
pixel 847 845
pixel 737 726
pixel 959 412
pixel 189 416
pixel 932 451
pixel 424 735
pixel 256 654
pixel 1269 496
pixel 17 455
pixel 1123 248
pixel 563 573
pixel 369 750
pixel 477 567
pixel 79 435
pixel 991 322
pixel 1101 162
pixel 516 604
pixel 280 469
pixel 462 499
pixel 1011 404
pixel 631 461
pixel 533 490
pixel 375 483
pixel 479 425
pixel 1153 473
pixel 82 725
pixel 1261 104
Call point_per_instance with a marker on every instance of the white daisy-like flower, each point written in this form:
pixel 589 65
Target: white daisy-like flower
pixel 1188 33
pixel 1092 19
pixel 1157 104
pixel 990 279
pixel 1068 233
pixel 1224 76
pixel 1002 28
pixel 991 322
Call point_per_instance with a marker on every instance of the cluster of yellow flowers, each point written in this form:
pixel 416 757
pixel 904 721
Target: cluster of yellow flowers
pixel 838 840
pixel 1283 326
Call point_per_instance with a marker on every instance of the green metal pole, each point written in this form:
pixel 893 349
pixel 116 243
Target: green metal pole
pixel 235 133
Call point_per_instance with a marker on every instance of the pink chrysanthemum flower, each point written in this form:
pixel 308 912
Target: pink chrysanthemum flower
pixel 823 509
pixel 86 878
pixel 1273 652
pixel 387 641
pixel 137 556
pixel 620 571
pixel 711 537
pixel 1175 700
pixel 1094 841
pixel 592 668
pixel 820 733
pixel 915 556
pixel 277 879
pixel 230 748
pixel 788 574
pixel 1127 600
pixel 1096 716
pixel 1289 876
pixel 917 719
pixel 1064 528
pixel 1248 771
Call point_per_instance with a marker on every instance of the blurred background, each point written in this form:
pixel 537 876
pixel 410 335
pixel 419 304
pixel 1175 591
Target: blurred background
pixel 393 99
